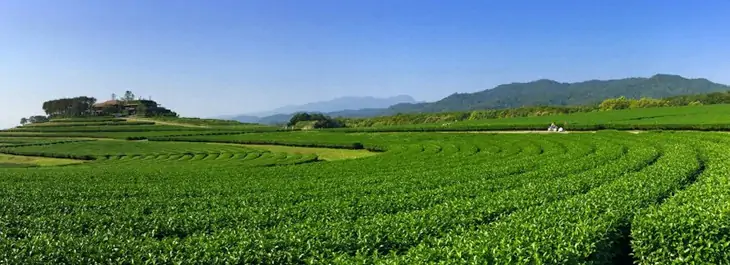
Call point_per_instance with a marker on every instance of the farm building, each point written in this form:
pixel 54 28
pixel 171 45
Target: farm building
pixel 129 108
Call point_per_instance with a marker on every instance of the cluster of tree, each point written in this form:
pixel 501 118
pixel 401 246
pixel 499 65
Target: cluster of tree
pixel 315 120
pixel 700 99
pixel 684 100
pixel 34 119
pixel 628 103
pixel 69 107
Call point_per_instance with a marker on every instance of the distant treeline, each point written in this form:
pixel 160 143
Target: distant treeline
pixel 606 105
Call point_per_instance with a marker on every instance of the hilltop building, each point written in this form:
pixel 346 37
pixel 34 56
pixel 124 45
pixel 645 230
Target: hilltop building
pixel 128 108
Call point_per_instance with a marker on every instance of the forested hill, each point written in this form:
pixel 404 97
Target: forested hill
pixel 549 92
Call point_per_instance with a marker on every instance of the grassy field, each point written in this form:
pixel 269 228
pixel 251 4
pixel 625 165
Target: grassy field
pixel 329 197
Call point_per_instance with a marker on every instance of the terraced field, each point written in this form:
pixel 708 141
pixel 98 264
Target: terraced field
pixel 414 198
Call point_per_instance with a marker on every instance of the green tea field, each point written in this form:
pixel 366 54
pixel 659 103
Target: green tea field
pixel 140 192
pixel 707 117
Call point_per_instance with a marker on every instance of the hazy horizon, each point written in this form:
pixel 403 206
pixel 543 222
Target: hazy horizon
pixel 231 57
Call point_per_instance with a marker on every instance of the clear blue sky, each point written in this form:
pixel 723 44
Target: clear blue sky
pixel 205 58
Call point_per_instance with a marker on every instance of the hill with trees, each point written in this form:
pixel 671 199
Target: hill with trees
pixel 84 106
pixel 542 92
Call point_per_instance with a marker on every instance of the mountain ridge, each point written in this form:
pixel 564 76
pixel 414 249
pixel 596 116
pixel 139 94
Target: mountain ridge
pixel 539 92
pixel 551 92
pixel 346 103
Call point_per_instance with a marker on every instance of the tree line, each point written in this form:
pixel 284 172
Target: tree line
pixel 605 105
pixel 69 107
pixel 684 100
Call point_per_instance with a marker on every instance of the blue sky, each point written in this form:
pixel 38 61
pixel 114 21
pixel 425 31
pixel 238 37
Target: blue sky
pixel 206 58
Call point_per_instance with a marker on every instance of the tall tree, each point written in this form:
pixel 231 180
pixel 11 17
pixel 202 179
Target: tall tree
pixel 128 96
pixel 23 121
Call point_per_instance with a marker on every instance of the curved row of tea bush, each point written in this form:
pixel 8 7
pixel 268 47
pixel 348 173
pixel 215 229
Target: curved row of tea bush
pixel 536 127
pixel 52 125
pixel 105 128
pixel 430 198
pixel 87 119
pixel 588 228
pixel 692 227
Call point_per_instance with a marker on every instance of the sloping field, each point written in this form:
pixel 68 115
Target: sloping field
pixel 705 118
pixel 211 197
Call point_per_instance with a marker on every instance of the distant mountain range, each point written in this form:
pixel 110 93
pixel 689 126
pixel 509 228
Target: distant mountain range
pixel 539 92
pixel 347 104
pixel 549 92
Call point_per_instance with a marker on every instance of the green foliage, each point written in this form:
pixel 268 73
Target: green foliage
pixel 690 228
pixel 35 119
pixel 123 127
pixel 318 120
pixel 615 104
pixel 648 103
pixel 429 198
pixel 700 99
pixel 625 103
pixel 69 107
pixel 285 139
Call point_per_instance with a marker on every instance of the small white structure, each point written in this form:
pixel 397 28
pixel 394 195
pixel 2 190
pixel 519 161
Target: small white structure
pixel 552 128
pixel 560 129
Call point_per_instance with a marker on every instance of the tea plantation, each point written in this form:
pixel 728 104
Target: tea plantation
pixel 146 193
